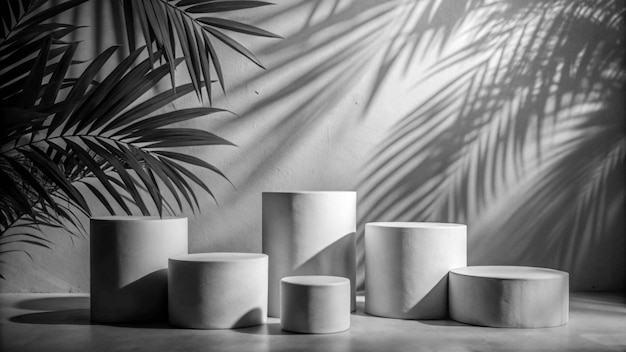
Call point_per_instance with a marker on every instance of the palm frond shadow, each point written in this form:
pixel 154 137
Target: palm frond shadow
pixel 352 45
pixel 523 146
pixel 351 35
pixel 525 109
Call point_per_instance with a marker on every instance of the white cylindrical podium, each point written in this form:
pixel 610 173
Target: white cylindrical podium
pixel 406 267
pixel 315 304
pixel 218 290
pixel 509 296
pixel 309 233
pixel 128 265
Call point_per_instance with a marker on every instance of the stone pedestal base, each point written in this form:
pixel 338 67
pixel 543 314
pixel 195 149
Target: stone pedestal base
pixel 509 296
pixel 406 267
pixel 315 304
pixel 128 265
pixel 218 290
pixel 309 233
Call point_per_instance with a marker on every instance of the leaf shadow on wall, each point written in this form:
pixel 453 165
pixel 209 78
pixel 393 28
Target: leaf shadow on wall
pixel 523 138
pixel 106 20
pixel 338 47
pixel 526 145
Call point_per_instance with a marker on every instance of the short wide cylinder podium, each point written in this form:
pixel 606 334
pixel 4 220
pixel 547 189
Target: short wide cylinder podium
pixel 407 265
pixel 315 304
pixel 309 233
pixel 509 296
pixel 128 265
pixel 218 290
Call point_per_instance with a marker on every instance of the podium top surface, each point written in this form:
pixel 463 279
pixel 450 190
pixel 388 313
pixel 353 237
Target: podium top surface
pixel 218 257
pixel 136 218
pixel 415 225
pixel 266 193
pixel 510 272
pixel 316 280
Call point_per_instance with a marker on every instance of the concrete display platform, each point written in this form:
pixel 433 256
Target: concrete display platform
pixel 315 304
pixel 308 233
pixel 60 322
pixel 217 290
pixel 128 265
pixel 509 296
pixel 407 265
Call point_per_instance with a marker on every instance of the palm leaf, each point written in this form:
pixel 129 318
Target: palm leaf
pixel 41 161
pixel 174 24
pixel 216 61
pixel 102 198
pixel 236 27
pixel 179 169
pixel 165 119
pixel 106 88
pixel 221 6
pixel 28 241
pixel 121 171
pixel 155 166
pixel 17 199
pixel 235 45
pixel 33 182
pixel 190 160
pixel 181 184
pixel 78 91
pixel 204 61
pixel 14 78
pixel 177 137
pixel 134 162
pixel 31 34
pixel 147 107
pixel 49 13
pixel 44 241
pixel 33 82
pixel 57 80
pixel 96 169
pixel 135 91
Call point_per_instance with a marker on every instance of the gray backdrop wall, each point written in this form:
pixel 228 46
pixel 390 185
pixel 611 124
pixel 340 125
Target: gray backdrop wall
pixel 506 115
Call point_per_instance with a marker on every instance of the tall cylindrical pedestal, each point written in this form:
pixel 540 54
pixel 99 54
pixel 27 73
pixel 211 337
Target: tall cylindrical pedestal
pixel 309 233
pixel 218 290
pixel 129 265
pixel 406 267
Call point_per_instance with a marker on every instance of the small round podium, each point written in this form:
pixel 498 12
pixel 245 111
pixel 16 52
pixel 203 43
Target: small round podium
pixel 218 290
pixel 315 304
pixel 509 296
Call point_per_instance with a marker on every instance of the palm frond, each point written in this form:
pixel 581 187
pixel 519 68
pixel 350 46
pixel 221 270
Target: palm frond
pixel 176 25
pixel 97 134
pixel 64 137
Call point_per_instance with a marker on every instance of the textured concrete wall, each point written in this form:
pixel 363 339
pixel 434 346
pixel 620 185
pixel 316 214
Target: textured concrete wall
pixel 432 111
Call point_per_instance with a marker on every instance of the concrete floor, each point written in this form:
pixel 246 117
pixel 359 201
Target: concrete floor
pixel 60 322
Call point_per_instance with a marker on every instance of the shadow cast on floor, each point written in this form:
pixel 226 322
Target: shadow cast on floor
pixel 59 317
pixel 72 311
pixel 265 329
pixel 360 311
pixel 54 303
pixel 75 311
pixel 82 317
